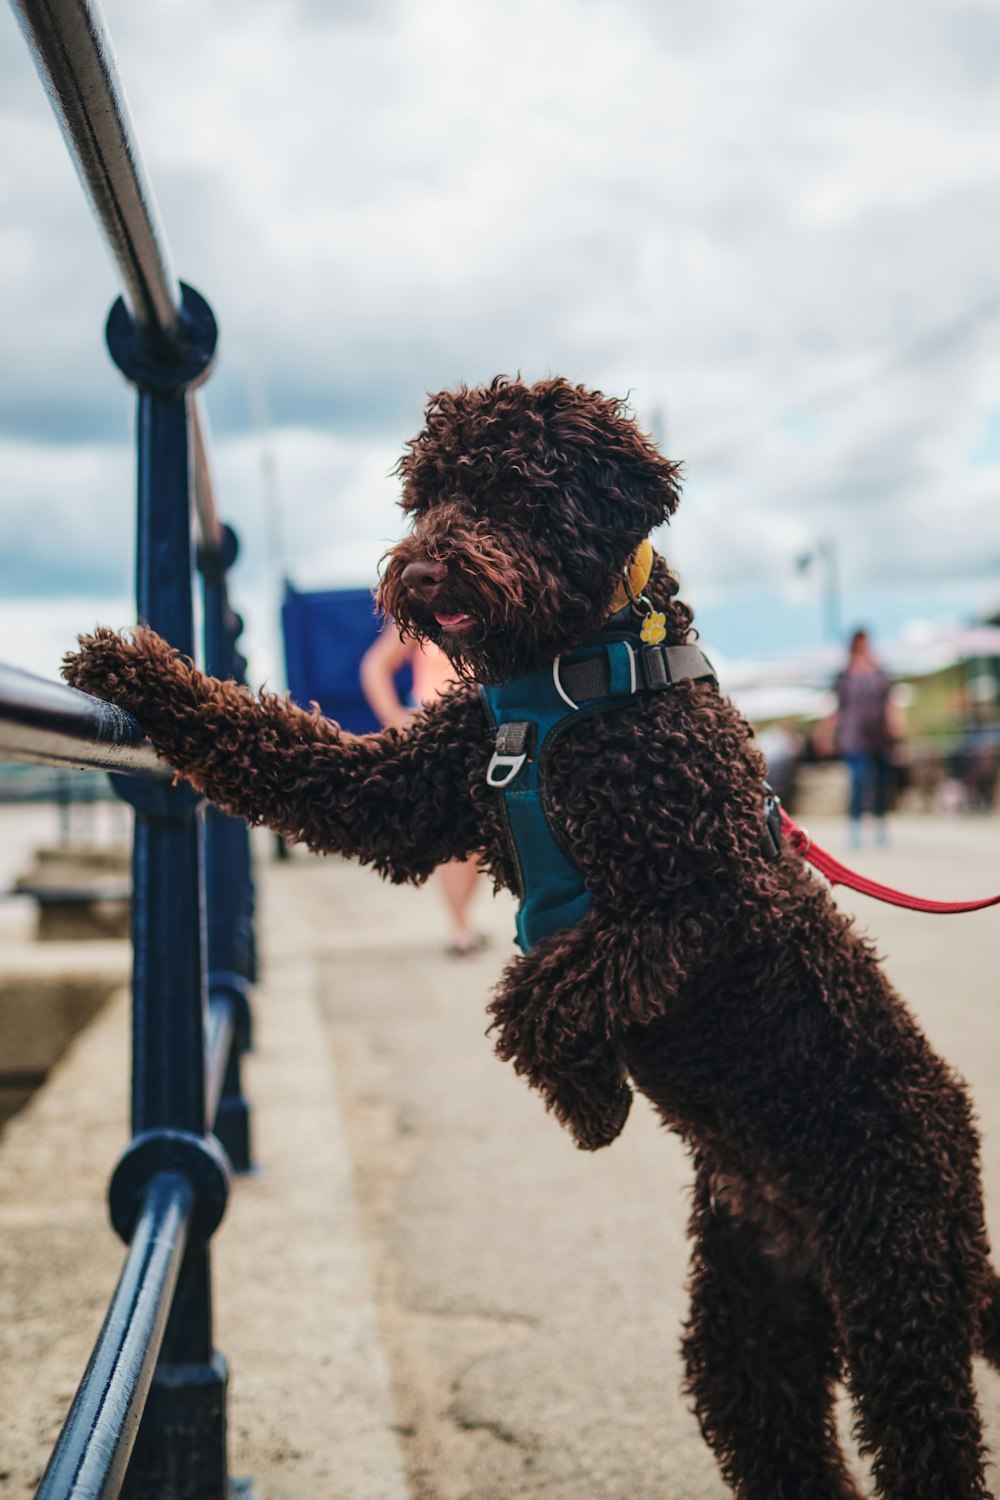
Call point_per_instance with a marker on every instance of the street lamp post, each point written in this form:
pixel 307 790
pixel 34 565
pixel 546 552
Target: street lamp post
pixel 824 555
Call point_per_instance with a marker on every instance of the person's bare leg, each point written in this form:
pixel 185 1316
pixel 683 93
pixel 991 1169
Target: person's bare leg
pixel 457 880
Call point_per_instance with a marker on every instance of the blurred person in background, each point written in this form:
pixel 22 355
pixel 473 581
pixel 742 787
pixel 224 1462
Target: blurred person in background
pixel 973 761
pixel 865 733
pixel 432 673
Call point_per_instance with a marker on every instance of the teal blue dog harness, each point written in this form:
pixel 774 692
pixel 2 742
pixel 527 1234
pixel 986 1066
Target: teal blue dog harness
pixel 529 714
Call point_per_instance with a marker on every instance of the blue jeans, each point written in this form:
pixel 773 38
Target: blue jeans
pixel 870 774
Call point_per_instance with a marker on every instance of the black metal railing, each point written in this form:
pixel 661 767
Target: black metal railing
pixel 48 723
pixel 149 1418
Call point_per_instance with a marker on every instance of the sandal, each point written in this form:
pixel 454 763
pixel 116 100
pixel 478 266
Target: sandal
pixel 465 947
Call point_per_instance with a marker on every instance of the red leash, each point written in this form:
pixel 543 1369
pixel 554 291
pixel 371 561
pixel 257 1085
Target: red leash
pixel 838 874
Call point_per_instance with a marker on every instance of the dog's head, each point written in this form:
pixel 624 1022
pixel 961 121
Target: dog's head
pixel 527 503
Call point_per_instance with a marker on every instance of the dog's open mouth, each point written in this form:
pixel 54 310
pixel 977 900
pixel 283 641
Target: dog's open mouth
pixel 454 624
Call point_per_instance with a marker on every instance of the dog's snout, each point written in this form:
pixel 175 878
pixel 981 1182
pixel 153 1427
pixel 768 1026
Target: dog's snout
pixel 424 578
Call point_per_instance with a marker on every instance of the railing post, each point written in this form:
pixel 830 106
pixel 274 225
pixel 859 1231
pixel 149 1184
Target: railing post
pixel 162 337
pixel 228 876
pixel 180 1451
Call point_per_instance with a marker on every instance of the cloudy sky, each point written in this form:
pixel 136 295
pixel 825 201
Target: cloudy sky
pixel 775 225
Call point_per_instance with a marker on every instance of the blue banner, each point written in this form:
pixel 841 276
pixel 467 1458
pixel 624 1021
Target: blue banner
pixel 326 634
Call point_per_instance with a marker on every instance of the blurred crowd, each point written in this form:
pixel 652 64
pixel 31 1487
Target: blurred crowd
pixel 884 766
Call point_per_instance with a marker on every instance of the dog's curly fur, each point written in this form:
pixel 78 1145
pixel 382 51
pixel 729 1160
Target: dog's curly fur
pixel 838 1224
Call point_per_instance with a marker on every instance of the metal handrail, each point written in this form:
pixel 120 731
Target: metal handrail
pixel 46 723
pixel 209 526
pixel 111 1396
pixel 192 891
pixel 218 1049
pixel 75 57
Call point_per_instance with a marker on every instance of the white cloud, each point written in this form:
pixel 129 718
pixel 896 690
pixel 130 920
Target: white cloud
pixel 38 632
pixel 742 216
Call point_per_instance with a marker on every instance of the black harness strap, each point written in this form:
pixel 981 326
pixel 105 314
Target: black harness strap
pixel 529 713
pixel 656 667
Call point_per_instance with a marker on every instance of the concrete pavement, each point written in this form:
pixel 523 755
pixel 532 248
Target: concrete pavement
pixel 531 1296
pixel 427 1289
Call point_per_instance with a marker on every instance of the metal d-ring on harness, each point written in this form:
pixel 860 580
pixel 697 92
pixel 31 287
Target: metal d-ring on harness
pixel 514 744
pixel 530 713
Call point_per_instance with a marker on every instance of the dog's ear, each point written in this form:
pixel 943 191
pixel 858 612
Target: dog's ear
pixel 618 467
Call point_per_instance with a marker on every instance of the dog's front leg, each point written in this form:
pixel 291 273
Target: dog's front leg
pixel 403 800
pixel 551 1015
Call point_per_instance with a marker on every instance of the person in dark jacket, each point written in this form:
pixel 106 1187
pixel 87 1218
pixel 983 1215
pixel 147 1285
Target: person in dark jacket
pixel 863 735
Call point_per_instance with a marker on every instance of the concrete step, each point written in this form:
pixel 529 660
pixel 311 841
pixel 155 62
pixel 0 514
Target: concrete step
pixel 48 993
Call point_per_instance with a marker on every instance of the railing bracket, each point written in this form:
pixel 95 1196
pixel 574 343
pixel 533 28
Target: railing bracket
pixel 164 373
pixel 200 1159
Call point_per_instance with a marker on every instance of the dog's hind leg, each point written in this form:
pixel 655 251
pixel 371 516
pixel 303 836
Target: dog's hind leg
pixel 908 1315
pixel 761 1361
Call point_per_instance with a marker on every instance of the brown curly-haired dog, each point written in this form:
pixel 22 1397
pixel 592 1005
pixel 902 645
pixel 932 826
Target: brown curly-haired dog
pixel 838 1223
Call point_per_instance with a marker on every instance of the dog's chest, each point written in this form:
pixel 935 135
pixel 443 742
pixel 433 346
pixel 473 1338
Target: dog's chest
pixel 563 794
pixel 611 788
pixel 615 805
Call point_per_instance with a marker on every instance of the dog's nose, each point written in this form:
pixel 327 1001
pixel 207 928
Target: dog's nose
pixel 424 578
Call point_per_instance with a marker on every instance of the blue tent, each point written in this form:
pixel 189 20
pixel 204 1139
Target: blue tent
pixel 326 634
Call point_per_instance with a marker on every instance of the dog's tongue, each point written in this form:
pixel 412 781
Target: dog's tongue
pixel 448 622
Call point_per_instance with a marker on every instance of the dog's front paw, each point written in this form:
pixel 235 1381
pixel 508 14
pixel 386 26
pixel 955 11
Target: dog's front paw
pixel 118 668
pixel 601 1122
pixel 99 664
